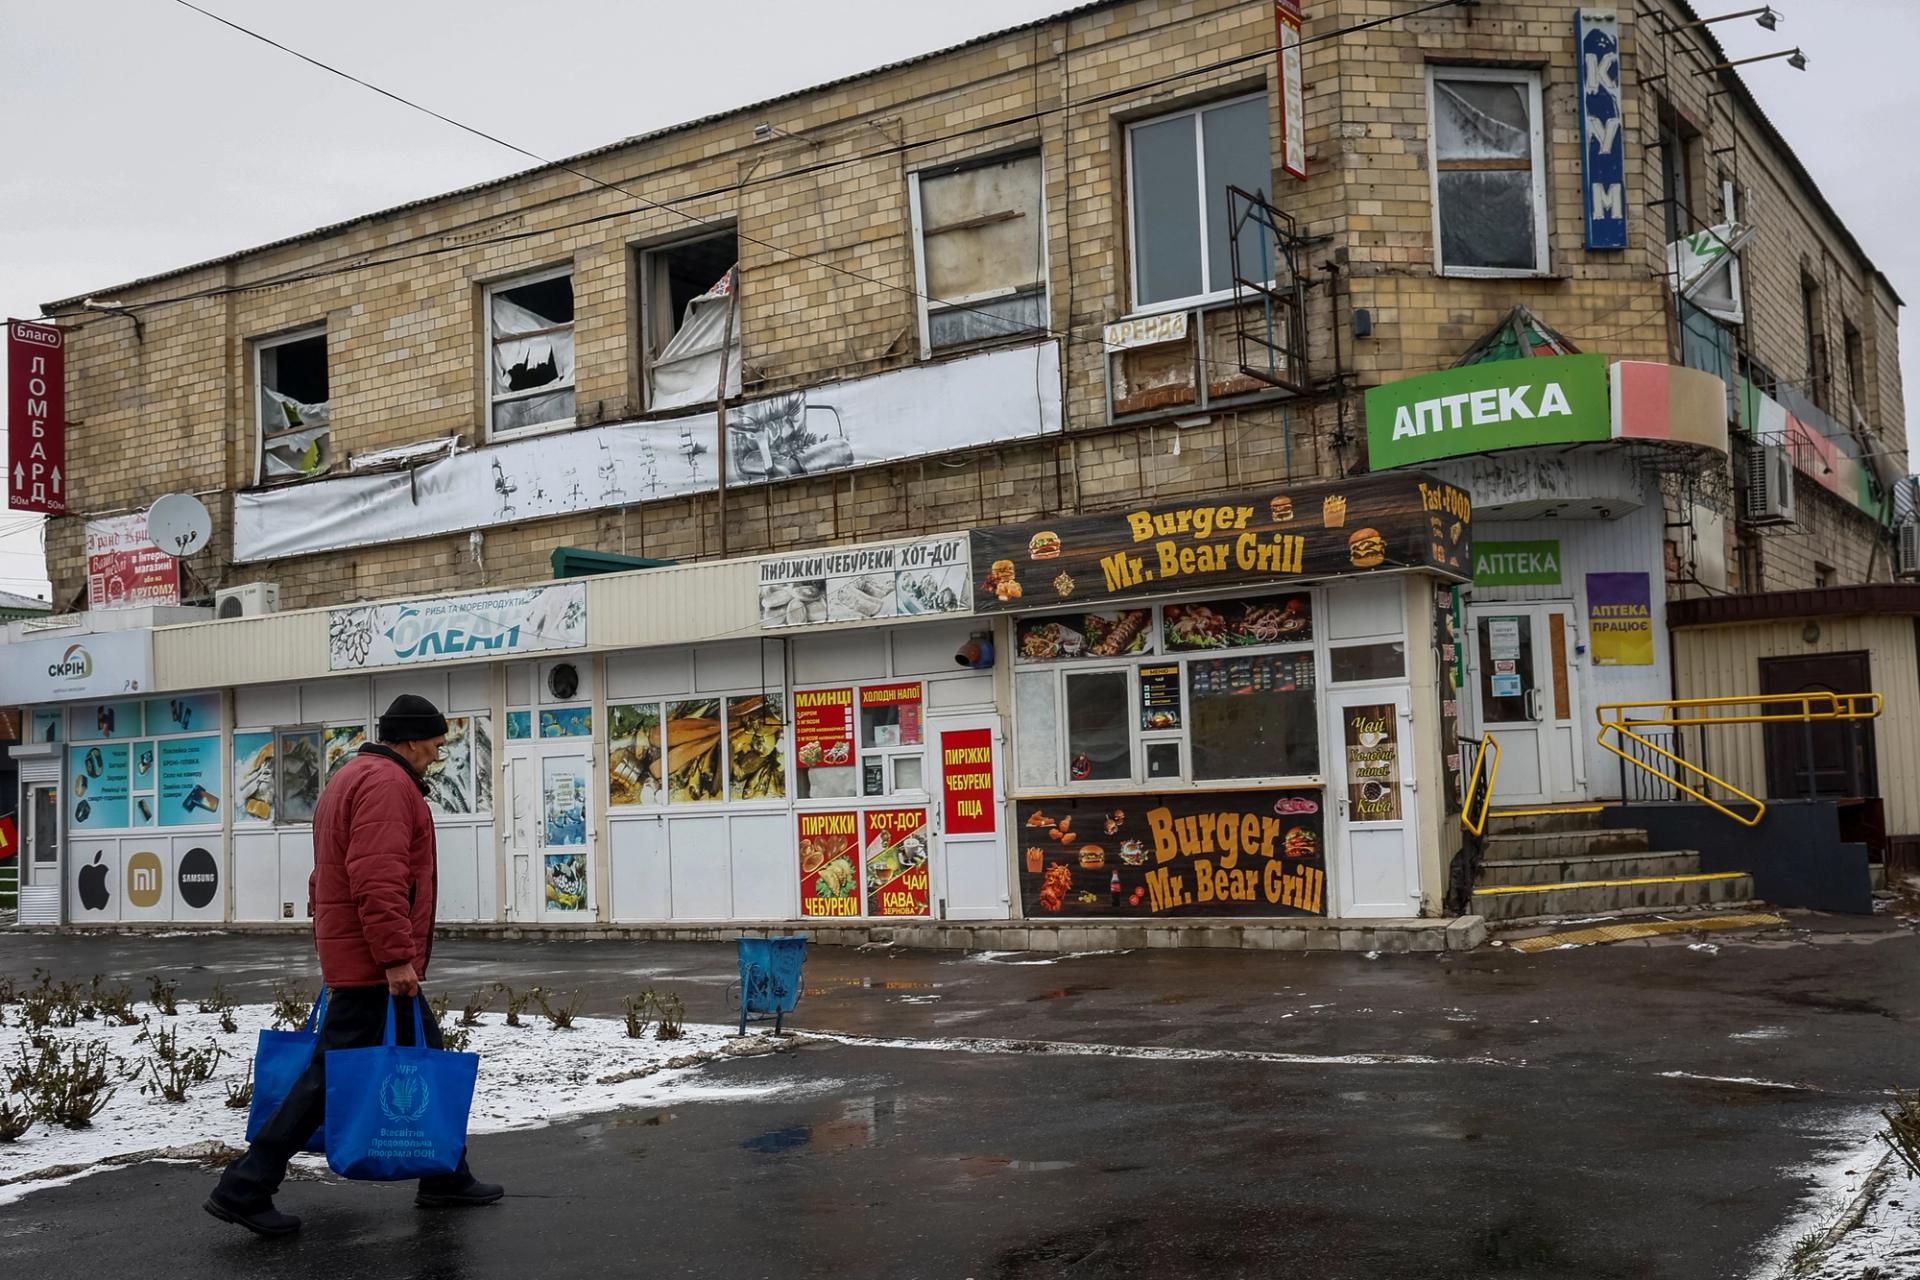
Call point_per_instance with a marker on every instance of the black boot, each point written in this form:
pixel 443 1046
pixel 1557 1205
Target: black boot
pixel 471 1196
pixel 261 1217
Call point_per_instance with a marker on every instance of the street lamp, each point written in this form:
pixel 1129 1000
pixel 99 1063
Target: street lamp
pixel 1764 15
pixel 1795 59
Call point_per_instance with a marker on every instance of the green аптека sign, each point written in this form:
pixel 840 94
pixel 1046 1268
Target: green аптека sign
pixel 1498 404
pixel 1516 564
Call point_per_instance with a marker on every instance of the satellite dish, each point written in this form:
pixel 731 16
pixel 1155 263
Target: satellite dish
pixel 178 524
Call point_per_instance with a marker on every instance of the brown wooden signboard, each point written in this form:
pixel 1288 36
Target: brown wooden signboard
pixel 1370 524
pixel 1197 853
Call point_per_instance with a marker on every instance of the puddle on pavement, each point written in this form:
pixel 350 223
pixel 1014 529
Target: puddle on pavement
pixel 980 1166
pixel 871 984
pixel 1063 992
pixel 863 1121
pixel 1173 999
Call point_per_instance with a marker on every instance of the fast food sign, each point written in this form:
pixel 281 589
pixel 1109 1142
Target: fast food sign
pixel 1225 853
pixel 1365 524
pixel 823 728
pixel 829 858
pixel 895 854
pixel 966 780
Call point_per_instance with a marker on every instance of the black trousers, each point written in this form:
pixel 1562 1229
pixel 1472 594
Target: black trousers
pixel 356 1018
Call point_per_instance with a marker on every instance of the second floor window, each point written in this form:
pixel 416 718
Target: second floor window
pixel 530 348
pixel 295 415
pixel 687 291
pixel 1179 168
pixel 1489 172
pixel 980 251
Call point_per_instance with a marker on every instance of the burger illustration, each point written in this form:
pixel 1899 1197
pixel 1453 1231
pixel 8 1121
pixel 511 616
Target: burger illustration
pixel 1300 843
pixel 1001 580
pixel 1044 545
pixel 1092 857
pixel 1366 548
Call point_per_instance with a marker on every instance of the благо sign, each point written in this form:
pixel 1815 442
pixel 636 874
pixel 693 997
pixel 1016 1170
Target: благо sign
pixel 1498 404
pixel 1372 523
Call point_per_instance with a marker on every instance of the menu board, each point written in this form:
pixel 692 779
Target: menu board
pixel 1371 734
pixel 1268 673
pixel 895 854
pixel 829 874
pixel 1215 853
pixel 1229 624
pixel 823 727
pixel 1160 697
pixel 966 780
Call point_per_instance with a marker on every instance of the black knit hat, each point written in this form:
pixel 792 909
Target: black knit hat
pixel 410 719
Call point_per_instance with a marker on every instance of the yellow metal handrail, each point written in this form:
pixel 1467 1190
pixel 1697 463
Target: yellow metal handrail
pixel 1479 826
pixel 1623 718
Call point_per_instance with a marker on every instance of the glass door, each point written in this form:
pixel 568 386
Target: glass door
pixel 40 859
pixel 1523 692
pixel 1374 853
pixel 564 835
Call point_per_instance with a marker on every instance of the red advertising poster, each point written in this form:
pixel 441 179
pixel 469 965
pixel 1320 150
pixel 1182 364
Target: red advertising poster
pixel 823 727
pixel 829 880
pixel 36 418
pixel 896 862
pixel 9 838
pixel 966 779
pixel 894 712
pixel 124 569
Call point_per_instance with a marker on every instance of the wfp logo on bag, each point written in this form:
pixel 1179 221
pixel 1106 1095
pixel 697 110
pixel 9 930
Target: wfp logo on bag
pixel 404 1094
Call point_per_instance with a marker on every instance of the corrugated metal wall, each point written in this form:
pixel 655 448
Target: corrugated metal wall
pixel 1724 661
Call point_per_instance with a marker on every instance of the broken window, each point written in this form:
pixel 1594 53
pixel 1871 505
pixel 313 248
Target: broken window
pixel 295 421
pixel 1813 317
pixel 687 291
pixel 981 251
pixel 1856 368
pixel 1180 167
pixel 1489 172
pixel 530 374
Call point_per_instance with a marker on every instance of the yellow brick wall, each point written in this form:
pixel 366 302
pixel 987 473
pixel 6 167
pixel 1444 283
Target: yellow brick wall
pixel 826 280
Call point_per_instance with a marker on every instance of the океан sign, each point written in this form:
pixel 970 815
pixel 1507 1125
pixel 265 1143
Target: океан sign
pixel 1498 404
pixel 1402 521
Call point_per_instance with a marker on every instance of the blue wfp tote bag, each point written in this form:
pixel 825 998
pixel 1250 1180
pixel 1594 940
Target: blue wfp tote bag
pixel 278 1061
pixel 398 1113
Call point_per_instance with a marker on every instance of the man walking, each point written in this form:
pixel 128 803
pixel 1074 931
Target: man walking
pixel 372 889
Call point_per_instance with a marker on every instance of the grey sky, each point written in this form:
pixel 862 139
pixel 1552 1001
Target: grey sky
pixel 143 136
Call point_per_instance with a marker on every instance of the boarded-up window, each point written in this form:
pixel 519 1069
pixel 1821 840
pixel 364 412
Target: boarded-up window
pixel 295 417
pixel 530 340
pixel 982 251
pixel 688 290
pixel 1489 174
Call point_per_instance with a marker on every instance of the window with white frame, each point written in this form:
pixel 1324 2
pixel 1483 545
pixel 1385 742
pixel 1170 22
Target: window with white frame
pixel 1179 168
pixel 980 250
pixel 294 420
pixel 530 353
pixel 688 304
pixel 1489 171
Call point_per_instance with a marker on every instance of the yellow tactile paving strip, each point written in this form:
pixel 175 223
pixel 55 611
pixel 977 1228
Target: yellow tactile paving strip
pixel 1601 884
pixel 1639 929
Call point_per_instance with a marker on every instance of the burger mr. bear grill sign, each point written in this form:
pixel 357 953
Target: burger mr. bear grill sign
pixel 1371 524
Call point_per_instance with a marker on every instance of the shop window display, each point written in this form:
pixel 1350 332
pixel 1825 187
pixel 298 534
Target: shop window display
pixel 1254 717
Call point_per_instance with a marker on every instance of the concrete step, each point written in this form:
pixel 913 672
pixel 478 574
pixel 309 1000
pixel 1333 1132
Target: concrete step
pixel 1605 897
pixel 1581 842
pixel 1497 872
pixel 1561 818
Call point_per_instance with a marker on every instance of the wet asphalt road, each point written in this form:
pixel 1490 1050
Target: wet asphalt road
pixel 1541 1140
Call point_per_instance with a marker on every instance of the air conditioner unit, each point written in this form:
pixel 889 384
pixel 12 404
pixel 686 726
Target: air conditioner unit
pixel 248 600
pixel 1909 555
pixel 1769 490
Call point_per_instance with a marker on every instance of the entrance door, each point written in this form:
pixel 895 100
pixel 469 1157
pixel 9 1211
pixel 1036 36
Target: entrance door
pixel 523 804
pixel 563 834
pixel 969 751
pixel 40 852
pixel 1819 760
pixel 1375 855
pixel 1525 695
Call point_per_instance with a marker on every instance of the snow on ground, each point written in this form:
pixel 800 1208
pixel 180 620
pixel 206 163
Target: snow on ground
pixel 529 1076
pixel 1858 1210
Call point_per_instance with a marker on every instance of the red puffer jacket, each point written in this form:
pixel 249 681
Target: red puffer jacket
pixel 374 872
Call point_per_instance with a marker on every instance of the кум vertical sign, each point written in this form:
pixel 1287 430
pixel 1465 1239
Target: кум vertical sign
pixel 1603 143
pixel 36 418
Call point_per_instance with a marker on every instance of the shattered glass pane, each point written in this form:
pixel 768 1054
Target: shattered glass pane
pixel 1480 120
pixel 1486 218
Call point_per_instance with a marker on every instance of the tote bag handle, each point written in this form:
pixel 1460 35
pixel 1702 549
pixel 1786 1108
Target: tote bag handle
pixel 317 1013
pixel 419 1028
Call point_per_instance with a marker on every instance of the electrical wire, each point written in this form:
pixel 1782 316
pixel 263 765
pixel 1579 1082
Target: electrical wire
pixel 1066 336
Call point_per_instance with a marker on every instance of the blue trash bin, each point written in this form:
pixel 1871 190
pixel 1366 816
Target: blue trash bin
pixel 770 977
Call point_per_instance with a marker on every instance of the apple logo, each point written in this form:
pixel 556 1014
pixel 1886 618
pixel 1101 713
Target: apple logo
pixel 94 893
